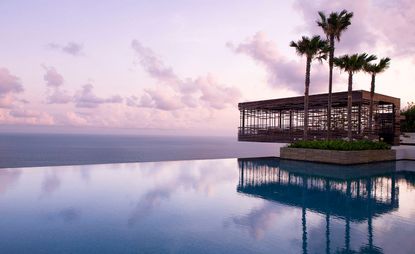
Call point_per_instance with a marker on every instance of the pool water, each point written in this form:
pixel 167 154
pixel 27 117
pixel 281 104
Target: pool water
pixel 209 206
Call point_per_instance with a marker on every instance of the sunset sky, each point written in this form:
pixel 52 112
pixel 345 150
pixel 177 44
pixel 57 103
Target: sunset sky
pixel 179 67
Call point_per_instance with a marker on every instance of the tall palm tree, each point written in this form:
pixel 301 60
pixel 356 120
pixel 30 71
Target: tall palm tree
pixel 352 64
pixel 374 69
pixel 314 49
pixel 333 26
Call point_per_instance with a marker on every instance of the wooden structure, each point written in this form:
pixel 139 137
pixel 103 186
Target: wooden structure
pixel 282 120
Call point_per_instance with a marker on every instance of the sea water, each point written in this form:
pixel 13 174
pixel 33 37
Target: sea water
pixel 30 150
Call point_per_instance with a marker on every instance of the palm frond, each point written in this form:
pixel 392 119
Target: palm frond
pixel 314 47
pixel 353 63
pixel 383 64
pixel 335 24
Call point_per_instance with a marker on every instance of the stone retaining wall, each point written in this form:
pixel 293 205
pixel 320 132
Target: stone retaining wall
pixel 337 157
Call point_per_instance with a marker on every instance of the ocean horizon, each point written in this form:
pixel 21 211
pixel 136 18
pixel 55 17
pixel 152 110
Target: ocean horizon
pixel 36 150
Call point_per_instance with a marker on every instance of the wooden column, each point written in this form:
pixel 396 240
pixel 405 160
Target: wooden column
pixel 359 121
pixel 243 121
pixel 291 124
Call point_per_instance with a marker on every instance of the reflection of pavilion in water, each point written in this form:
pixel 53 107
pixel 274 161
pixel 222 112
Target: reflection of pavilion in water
pixel 353 194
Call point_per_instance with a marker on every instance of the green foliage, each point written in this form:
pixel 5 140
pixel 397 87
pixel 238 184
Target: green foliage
pixel 383 64
pixel 335 24
pixel 341 145
pixel 408 125
pixel 314 48
pixel 353 63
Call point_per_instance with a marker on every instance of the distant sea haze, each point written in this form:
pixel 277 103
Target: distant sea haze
pixel 33 150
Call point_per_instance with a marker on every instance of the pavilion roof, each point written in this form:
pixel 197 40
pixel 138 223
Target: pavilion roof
pixel 318 101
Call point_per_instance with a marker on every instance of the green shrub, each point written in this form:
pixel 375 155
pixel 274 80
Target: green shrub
pixel 341 145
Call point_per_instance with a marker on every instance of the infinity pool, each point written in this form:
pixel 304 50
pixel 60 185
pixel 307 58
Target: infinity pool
pixel 209 206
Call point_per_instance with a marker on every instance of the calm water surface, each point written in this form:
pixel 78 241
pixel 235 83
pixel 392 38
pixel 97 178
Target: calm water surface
pixel 209 206
pixel 34 150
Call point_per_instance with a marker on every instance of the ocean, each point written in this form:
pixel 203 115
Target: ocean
pixel 34 150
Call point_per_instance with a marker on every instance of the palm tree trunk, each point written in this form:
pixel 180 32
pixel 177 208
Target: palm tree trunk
pixel 372 94
pixel 331 56
pixel 349 106
pixel 306 91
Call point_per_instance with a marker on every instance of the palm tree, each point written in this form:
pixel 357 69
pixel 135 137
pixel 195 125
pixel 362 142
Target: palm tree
pixel 314 48
pixel 333 27
pixel 374 69
pixel 352 64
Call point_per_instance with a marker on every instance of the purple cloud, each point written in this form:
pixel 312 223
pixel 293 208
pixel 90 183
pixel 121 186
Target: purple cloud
pixel 54 82
pixel 153 65
pixel 177 93
pixel 357 36
pixel 281 71
pixel 52 77
pixel 9 86
pixel 375 23
pixel 156 99
pixel 24 113
pixel 59 97
pixel 71 48
pixel 85 98
pixel 9 83
pixel 216 95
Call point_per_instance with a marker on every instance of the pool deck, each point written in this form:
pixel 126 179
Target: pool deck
pixel 405 152
pixel 408 139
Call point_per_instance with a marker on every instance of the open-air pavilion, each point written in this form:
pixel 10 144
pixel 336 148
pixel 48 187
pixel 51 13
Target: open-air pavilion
pixel 282 120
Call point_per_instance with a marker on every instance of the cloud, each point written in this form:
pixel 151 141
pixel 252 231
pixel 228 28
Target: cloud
pixel 54 82
pixel 24 113
pixel 9 83
pixel 85 98
pixel 74 119
pixel 281 71
pixel 155 98
pixel 19 115
pixel 6 100
pixel 357 36
pixel 9 86
pixel 12 109
pixel 215 95
pixel 71 48
pixel 153 65
pixel 375 23
pixel 59 97
pixel 52 77
pixel 173 92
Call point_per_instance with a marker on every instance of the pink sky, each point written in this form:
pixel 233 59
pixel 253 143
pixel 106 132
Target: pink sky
pixel 178 67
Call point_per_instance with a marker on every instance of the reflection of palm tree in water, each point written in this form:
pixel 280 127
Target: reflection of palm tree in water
pixel 338 192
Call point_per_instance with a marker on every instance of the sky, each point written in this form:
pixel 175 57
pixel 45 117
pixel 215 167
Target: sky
pixel 179 67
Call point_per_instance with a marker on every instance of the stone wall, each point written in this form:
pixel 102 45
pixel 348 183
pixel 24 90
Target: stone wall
pixel 337 157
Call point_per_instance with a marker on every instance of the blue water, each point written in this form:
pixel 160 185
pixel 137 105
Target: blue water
pixel 29 150
pixel 209 206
